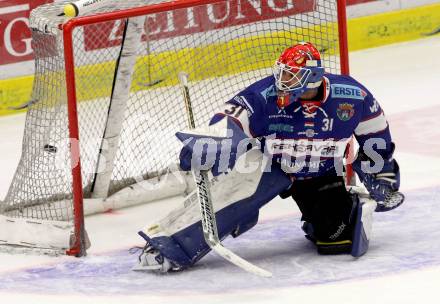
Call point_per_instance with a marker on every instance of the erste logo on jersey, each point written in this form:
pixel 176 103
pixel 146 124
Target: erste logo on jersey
pixel 347 91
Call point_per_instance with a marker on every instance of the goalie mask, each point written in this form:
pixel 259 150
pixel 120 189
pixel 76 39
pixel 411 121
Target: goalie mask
pixel 298 69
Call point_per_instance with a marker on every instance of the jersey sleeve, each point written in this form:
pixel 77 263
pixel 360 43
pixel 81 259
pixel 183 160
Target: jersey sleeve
pixel 374 126
pixel 243 109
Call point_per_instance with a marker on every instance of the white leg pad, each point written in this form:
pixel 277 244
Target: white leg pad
pixel 363 226
pixel 226 189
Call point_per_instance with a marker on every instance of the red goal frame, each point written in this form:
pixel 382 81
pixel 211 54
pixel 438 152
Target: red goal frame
pixel 78 247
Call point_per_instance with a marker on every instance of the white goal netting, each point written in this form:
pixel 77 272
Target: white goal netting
pixel 223 47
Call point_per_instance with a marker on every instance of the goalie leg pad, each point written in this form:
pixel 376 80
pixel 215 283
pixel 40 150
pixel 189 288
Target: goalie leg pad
pixel 169 249
pixel 246 224
pixel 186 246
pixel 363 225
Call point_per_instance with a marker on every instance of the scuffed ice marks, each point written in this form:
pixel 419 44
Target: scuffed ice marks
pixel 91 275
pixel 403 239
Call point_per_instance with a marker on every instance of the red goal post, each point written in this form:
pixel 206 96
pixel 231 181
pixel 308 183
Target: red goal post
pixel 262 36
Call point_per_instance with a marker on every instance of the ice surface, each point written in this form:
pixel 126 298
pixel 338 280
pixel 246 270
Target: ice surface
pixel 402 265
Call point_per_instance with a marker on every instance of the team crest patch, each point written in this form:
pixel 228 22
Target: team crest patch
pixel 345 111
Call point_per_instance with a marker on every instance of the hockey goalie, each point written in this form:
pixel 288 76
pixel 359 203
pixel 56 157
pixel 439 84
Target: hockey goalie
pixel 285 135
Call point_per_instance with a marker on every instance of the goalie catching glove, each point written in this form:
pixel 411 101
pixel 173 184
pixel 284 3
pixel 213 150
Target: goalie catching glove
pixel 215 147
pixel 383 186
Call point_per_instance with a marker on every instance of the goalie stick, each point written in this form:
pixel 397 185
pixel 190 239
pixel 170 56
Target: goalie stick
pixel 209 223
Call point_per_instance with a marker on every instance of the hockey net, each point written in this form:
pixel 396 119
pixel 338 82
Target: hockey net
pixel 106 101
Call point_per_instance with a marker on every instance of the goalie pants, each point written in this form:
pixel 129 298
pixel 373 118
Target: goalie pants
pixel 326 205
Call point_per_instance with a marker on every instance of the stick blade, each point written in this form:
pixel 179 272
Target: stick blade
pixel 240 262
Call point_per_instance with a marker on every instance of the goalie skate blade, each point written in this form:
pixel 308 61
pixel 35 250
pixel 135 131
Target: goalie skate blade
pixel 240 262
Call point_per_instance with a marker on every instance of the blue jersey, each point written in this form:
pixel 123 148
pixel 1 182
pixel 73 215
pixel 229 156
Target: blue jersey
pixel 309 137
